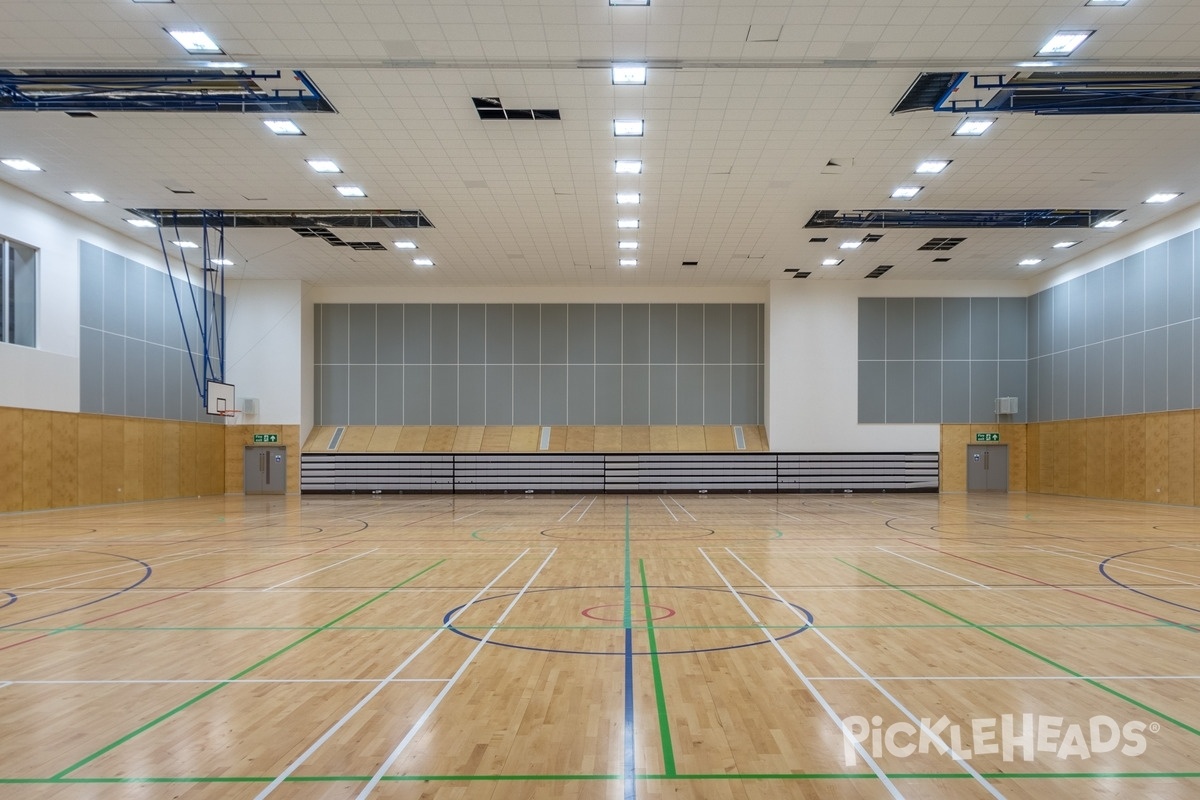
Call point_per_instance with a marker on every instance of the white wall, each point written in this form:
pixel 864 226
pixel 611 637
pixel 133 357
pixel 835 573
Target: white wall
pixel 265 343
pixel 812 363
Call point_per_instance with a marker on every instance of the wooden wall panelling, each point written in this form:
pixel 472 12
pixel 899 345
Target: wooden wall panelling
pixel 113 458
pixel 1157 458
pixel 495 439
pixel 558 438
pixel 412 439
pixel 1114 458
pixel 318 439
pixel 356 438
pixel 12 436
pixel 171 458
pixel 1196 457
pixel 133 487
pixel 1135 457
pixel 384 439
pixel 289 437
pixel 663 438
pixel 213 458
pixel 1018 455
pixel 440 439
pixel 607 438
pixel 235 461
pixel 468 438
pixel 1033 457
pixel 64 460
pixel 755 437
pixel 581 438
pixel 152 447
pixel 636 438
pixel 1094 431
pixel 691 438
pixel 1076 447
pixel 525 438
pixel 953 457
pixel 187 460
pixel 719 438
pixel 91 459
pixel 1181 466
pixel 37 461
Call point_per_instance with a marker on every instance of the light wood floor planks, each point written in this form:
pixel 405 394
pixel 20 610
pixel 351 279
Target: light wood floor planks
pixel 528 646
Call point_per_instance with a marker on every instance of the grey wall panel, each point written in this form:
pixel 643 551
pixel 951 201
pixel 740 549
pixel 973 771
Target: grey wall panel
pixel 1181 265
pixel 335 405
pixel 717 382
pixel 985 383
pixel 1114 377
pixel 135 301
pixel 872 328
pixel 1076 312
pixel 471 388
pixel 135 377
pixel 985 328
pixel 155 364
pixel 527 334
pixel 389 396
pixel 1046 343
pixel 361 334
pixel 1013 377
pixel 1076 384
pixel 554 337
pixel 744 328
pixel 608 333
pixel 1031 325
pixel 927 322
pixel 956 327
pixel 1155 369
pixel 662 335
pixel 1045 381
pixel 472 334
pixel 1093 306
pixel 743 392
pixel 417 320
pixel 498 393
pixel 899 327
pixel 192 409
pixel 389 333
pixel 956 391
pixel 1134 297
pixel 689 397
pixel 1060 377
pixel 927 391
pixel 91 371
pixel 1180 366
pixel 1157 280
pixel 1093 357
pixel 1114 300
pixel 318 415
pixel 1012 325
pixel 635 394
pixel 527 394
pixel 114 293
pixel 114 374
pixel 173 325
pixel 581 394
pixel 417 378
pixel 690 336
pixel 716 334
pixel 91 286
pixel 175 383
pixel 335 333
pixel 608 394
pixel 662 393
pixel 1133 391
pixel 554 391
pixel 443 394
pixel 360 385
pixel 635 333
pixel 443 325
pixel 581 334
pixel 872 386
pixel 1029 401
pixel 1060 303
pixel 1195 369
pixel 156 310
pixel 898 390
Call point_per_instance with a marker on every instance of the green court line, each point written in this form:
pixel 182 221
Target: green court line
pixel 664 724
pixel 1027 651
pixel 217 687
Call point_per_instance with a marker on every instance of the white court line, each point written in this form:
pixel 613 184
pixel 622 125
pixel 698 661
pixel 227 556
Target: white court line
pixel 940 678
pixel 312 748
pixel 808 684
pixel 412 732
pixel 684 510
pixel 930 566
pixel 158 565
pixel 583 513
pixel 874 683
pixel 668 508
pixel 572 508
pixel 169 681
pixel 483 510
pixel 122 567
pixel 1117 566
pixel 322 569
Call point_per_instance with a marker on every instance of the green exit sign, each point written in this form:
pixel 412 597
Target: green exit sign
pixel 266 437
pixel 987 437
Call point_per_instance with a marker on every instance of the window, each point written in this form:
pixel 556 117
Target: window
pixel 18 293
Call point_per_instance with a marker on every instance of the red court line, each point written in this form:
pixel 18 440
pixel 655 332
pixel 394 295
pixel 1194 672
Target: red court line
pixel 173 596
pixel 1056 586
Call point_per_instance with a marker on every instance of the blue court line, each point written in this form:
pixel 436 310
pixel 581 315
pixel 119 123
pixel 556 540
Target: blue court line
pixel 145 576
pixel 630 765
pixel 1104 571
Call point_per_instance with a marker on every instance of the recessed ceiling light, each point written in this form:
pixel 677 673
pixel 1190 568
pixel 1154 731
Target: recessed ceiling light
pixel 1064 43
pixel 154 1
pixel 87 197
pixel 931 167
pixel 1108 223
pixel 627 223
pixel 628 167
pixel 186 245
pixel 1028 262
pixel 627 262
pixel 423 262
pixel 629 74
pixel 350 191
pixel 1064 245
pixel 628 127
pixel 906 192
pixel 283 127
pixel 973 127
pixel 138 222
pixel 20 164
pixel 222 262
pixel 1106 3
pixel 629 198
pixel 850 245
pixel 323 165
pixel 406 245
pixel 629 2
pixel 831 262
pixel 1161 197
pixel 627 245
pixel 195 41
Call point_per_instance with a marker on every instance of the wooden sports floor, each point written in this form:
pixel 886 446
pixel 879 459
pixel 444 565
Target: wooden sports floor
pixel 559 646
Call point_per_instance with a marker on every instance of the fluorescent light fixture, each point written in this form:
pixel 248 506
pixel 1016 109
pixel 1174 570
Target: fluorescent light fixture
pixel 931 167
pixel 850 245
pixel 406 245
pixel 154 1
pixel 629 74
pixel 627 245
pixel 87 197
pixel 1107 3
pixel 350 191
pixel 1162 197
pixel 323 165
pixel 627 223
pixel 138 222
pixel 906 192
pixel 627 262
pixel 422 262
pixel 973 127
pixel 831 262
pixel 629 2
pixel 20 164
pixel 628 167
pixel 1064 245
pixel 1028 262
pixel 629 127
pixel 222 262
pixel 195 41
pixel 283 127
pixel 629 198
pixel 1108 223
pixel 1064 43
pixel 186 245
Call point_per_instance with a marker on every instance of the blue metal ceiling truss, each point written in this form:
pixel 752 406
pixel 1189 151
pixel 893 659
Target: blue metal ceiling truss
pixel 208 90
pixel 954 218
